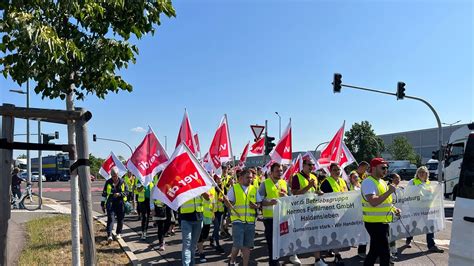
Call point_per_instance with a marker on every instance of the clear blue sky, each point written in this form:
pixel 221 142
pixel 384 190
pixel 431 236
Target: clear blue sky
pixel 249 59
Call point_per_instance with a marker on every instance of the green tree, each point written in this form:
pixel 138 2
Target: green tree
pixel 362 142
pixel 95 164
pixel 21 156
pixel 74 46
pixel 401 149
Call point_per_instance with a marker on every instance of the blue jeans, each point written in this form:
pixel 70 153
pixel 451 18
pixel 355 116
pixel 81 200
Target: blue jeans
pixel 191 230
pixel 217 224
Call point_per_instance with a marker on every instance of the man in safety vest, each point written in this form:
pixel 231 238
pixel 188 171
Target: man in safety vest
pixel 130 181
pixel 421 179
pixel 227 182
pixel 143 194
pixel 208 216
pixel 191 218
pixel 378 211
pixel 243 205
pixel 361 170
pixel 334 184
pixel 306 182
pixel 114 196
pixel 218 209
pixel 270 190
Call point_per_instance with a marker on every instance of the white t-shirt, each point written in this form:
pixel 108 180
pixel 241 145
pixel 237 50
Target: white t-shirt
pixel 369 187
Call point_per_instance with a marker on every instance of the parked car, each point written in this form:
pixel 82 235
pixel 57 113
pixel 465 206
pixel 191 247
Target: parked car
pixel 405 173
pixel 34 176
pixel 462 230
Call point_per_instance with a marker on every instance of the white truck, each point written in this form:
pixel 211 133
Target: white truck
pixel 454 157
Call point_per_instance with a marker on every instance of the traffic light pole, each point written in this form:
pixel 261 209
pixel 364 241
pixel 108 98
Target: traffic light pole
pixel 440 129
pixel 265 146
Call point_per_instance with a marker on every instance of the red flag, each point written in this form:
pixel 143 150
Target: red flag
pixel 243 158
pixel 183 179
pixel 282 151
pixel 196 141
pixel 294 168
pixel 266 167
pixel 148 159
pixel 186 134
pixel 221 150
pixel 258 146
pixel 110 162
pixel 346 156
pixel 332 152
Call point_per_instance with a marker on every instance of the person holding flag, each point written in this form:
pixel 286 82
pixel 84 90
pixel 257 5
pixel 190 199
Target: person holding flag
pixel 218 209
pixel 243 200
pixel 270 190
pixel 114 196
pixel 208 216
pixel 305 182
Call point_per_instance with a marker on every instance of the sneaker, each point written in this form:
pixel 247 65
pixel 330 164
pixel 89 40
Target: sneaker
pixel 435 249
pixel 119 236
pixel 161 247
pixel 295 260
pixel 393 257
pixel 362 255
pixel 320 262
pixel 109 240
pixel 408 244
pixel 202 258
pixel 143 236
pixel 220 249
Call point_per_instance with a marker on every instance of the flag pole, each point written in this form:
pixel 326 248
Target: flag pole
pixel 230 146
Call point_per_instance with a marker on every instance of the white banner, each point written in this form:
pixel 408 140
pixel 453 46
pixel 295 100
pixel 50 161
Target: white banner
pixel 422 211
pixel 307 223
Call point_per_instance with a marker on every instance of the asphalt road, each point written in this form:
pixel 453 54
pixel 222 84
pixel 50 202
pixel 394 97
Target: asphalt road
pixel 416 255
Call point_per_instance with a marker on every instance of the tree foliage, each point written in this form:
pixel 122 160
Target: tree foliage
pixel 84 43
pixel 95 164
pixel 401 149
pixel 362 142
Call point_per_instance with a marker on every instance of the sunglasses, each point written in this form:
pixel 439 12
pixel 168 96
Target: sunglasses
pixel 384 167
pixel 310 164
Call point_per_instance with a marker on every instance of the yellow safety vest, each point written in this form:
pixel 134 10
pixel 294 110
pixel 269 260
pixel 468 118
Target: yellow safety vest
pixel 208 204
pixel 272 192
pixel 383 212
pixel 304 182
pixel 256 181
pixel 417 181
pixel 337 186
pixel 242 200
pixel 159 203
pixel 192 205
pixel 141 194
pixel 218 205
pixel 361 177
pixel 109 191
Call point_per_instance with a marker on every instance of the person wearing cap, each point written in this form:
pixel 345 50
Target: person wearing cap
pixel 334 184
pixel 270 190
pixel 114 196
pixel 243 202
pixel 306 182
pixel 378 210
pixel 421 179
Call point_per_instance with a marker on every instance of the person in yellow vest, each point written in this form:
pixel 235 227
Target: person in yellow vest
pixel 228 182
pixel 354 181
pixel 378 210
pixel 421 179
pixel 143 193
pixel 334 184
pixel 114 196
pixel 361 170
pixel 243 203
pixel 270 190
pixel 191 218
pixel 306 182
pixel 135 193
pixel 160 216
pixel 218 209
pixel 208 216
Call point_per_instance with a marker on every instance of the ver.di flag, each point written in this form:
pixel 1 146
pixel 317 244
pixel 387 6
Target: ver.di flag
pixel 332 152
pixel 258 146
pixel 220 150
pixel 186 134
pixel 182 179
pixel 282 151
pixel 148 159
pixel 110 162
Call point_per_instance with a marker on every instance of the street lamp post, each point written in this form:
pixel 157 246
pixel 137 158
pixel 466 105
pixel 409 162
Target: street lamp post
pixel 279 124
pixel 315 150
pixel 95 138
pixel 28 158
pixel 451 124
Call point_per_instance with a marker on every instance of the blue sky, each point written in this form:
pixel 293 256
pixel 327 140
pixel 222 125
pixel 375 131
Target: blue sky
pixel 249 59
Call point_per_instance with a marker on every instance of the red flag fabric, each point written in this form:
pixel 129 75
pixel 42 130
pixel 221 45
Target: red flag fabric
pixel 243 157
pixel 196 141
pixel 110 162
pixel 309 155
pixel 266 168
pixel 283 149
pixel 258 146
pixel 332 152
pixel 148 159
pixel 220 150
pixel 183 179
pixel 186 134
pixel 346 156
pixel 294 168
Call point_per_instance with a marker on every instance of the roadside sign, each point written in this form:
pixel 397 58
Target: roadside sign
pixel 257 130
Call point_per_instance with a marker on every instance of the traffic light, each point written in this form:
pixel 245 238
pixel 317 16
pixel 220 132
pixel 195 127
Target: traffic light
pixel 48 137
pixel 336 83
pixel 94 137
pixel 400 90
pixel 56 134
pixel 269 144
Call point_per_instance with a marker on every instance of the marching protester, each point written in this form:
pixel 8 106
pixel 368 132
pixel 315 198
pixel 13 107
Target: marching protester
pixel 394 179
pixel 354 182
pixel 270 190
pixel 161 218
pixel 218 208
pixel 305 182
pixel 130 181
pixel 421 179
pixel 191 217
pixel 360 173
pixel 114 196
pixel 361 170
pixel 243 203
pixel 377 210
pixel 208 216
pixel 143 193
pixel 227 182
pixel 334 184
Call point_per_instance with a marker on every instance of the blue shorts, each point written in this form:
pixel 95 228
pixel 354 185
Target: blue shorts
pixel 243 235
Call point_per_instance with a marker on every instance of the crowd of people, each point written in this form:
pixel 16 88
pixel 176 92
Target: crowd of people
pixel 246 196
